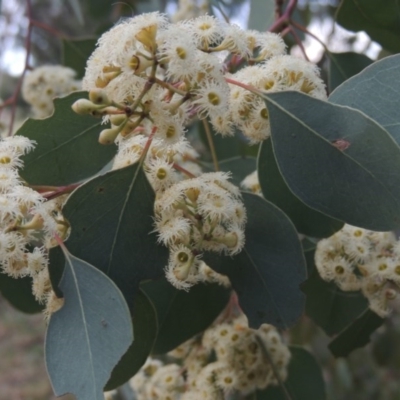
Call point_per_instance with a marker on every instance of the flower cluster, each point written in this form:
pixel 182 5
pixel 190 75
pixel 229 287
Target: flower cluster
pixel 197 215
pixel 150 79
pixel 358 259
pixel 27 223
pixel 41 85
pixel 228 358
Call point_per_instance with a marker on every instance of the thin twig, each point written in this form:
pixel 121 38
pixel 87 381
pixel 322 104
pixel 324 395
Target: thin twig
pixel 211 144
pixel 183 170
pixel 283 20
pixel 299 42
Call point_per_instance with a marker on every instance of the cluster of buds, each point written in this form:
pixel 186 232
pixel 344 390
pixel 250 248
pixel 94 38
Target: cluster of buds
pixel 229 358
pixel 27 223
pixel 359 259
pixel 43 84
pixel 197 215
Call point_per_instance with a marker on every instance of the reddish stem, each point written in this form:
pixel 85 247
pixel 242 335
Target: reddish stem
pixel 183 170
pixel 284 19
pixel 60 191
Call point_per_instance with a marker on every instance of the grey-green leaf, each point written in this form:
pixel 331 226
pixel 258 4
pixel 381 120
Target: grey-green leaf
pixel 267 274
pixel 89 334
pixel 262 14
pixel 112 228
pixel 336 160
pixel 274 188
pixel 181 315
pixel 67 149
pixel 375 91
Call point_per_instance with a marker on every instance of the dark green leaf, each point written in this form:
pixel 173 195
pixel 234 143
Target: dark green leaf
pixel 19 293
pixel 375 91
pixel 67 148
pixel 227 147
pixel 56 268
pixel 111 218
pixel 380 19
pixel 356 335
pixel 274 188
pixel 145 333
pixel 75 54
pixel 239 166
pixel 89 334
pixel 181 315
pixel 336 160
pixel 329 307
pixel 267 274
pixel 304 382
pixel 343 66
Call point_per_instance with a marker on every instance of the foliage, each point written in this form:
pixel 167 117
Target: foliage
pixel 114 279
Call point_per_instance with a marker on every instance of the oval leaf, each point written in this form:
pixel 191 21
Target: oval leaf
pixel 304 381
pixel 267 274
pixel 145 332
pixel 19 294
pixel 89 334
pixel 111 218
pixel 274 188
pixel 181 315
pixel 343 66
pixel 75 54
pixel 67 148
pixel 336 160
pixel 380 19
pixel 375 91
pixel 239 167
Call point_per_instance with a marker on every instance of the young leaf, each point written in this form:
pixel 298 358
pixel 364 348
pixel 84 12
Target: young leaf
pixel 375 91
pixel 181 315
pixel 267 273
pixel 112 219
pixel 329 307
pixel 343 66
pixel 355 335
pixel 145 332
pixel 336 160
pixel 67 149
pixel 89 334
pixel 380 19
pixel 304 381
pixel 18 292
pixel 75 54
pixel 274 188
